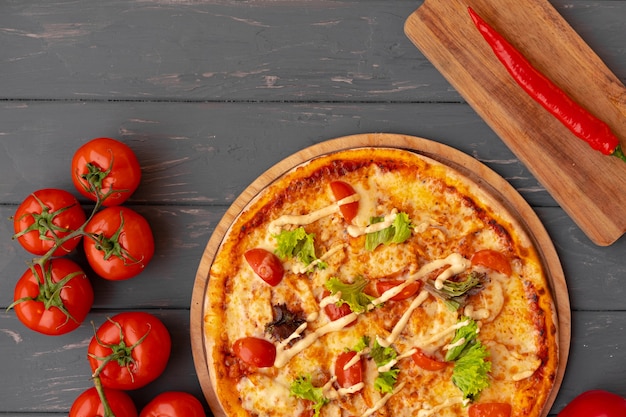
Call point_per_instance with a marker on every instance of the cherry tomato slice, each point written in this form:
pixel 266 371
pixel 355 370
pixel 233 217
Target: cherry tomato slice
pixel 255 351
pixel 426 362
pixel 595 403
pixel 266 265
pixel 490 410
pixel 353 374
pixel 492 259
pixel 309 412
pixel 409 291
pixel 335 312
pixel 340 191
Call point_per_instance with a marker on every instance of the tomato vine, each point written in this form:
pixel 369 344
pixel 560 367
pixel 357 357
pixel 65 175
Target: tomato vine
pixel 50 223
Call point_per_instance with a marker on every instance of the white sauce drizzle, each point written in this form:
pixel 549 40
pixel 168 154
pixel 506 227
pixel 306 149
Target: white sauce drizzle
pixel 380 403
pixel 455 344
pixel 446 332
pixel 299 268
pixel 276 226
pixel 407 354
pixel 356 231
pixel 327 386
pixel 401 324
pixel 527 373
pixel 331 299
pixel 284 356
pixel 351 390
pixel 522 375
pixel 447 403
pixel 292 336
pixel 387 367
pixel 480 314
pixel 356 358
pixel 458 264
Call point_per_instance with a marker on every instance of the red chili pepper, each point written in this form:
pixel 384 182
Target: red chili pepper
pixel 578 120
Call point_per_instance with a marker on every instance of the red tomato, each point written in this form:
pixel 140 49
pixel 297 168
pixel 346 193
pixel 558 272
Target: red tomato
pixel 266 265
pixel 426 362
pixel 108 168
pixel 340 191
pixel 141 345
pixel 335 312
pixel 44 218
pixel 173 404
pixel 595 403
pixel 490 410
pixel 407 292
pixel 56 301
pixel 353 374
pixel 88 404
pixel 308 409
pixel 120 243
pixel 255 351
pixel 492 259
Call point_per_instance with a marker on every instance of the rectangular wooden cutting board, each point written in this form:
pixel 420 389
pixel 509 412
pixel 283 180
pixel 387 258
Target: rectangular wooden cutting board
pixel 589 186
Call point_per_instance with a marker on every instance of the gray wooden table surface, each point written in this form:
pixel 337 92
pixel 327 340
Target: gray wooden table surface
pixel 211 93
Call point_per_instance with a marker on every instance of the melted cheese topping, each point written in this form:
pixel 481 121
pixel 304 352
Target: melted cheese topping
pixel 448 229
pixel 437 408
pixel 356 231
pixel 276 226
pixel 380 403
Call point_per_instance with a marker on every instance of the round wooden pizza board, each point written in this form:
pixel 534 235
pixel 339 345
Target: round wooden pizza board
pixel 489 181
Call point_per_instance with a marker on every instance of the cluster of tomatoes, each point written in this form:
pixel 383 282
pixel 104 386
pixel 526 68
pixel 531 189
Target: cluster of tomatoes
pixel 54 295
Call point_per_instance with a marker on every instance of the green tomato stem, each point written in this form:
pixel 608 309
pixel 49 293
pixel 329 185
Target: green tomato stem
pixel 108 412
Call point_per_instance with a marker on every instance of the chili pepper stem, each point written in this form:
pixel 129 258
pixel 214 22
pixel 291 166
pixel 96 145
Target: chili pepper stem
pixel 618 152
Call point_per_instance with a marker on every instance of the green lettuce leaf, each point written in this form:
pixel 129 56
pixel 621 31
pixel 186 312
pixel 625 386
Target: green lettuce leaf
pixel 466 333
pixel 363 343
pixel 297 244
pixel 382 355
pixel 470 372
pixel 303 388
pixel 386 380
pixel 351 294
pixel 398 232
pixel 454 293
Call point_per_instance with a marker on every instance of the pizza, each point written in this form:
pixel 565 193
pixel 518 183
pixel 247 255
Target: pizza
pixel 378 282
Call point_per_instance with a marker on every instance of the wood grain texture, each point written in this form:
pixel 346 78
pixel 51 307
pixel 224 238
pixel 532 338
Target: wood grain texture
pixel 210 94
pixel 321 50
pixel 183 147
pixel 587 184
